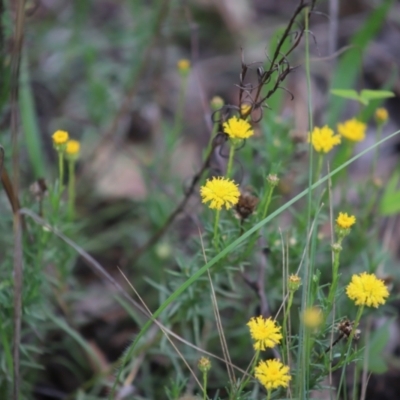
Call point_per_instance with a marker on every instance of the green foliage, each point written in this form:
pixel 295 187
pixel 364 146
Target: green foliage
pixel 194 291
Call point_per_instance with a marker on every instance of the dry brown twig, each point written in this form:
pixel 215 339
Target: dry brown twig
pixel 279 65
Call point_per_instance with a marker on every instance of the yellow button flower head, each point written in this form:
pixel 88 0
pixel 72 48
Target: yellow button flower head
pixel 312 317
pixel 220 192
pixel 353 130
pixel 237 128
pixel 264 332
pixel 183 66
pixel 73 147
pixel 60 138
pixel 381 115
pixel 272 374
pixel 345 221
pixel 367 290
pixel 323 139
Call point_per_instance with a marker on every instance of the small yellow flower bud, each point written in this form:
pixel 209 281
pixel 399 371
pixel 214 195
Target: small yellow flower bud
pixel 312 317
pixel 204 365
pixel 60 139
pixel 72 149
pixel 183 66
pixel 245 110
pixel 216 103
pixel 381 115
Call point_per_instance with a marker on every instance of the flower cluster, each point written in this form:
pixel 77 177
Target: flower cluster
pixel 63 144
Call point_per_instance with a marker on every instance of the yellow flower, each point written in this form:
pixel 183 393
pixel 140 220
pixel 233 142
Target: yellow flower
pixel 353 130
pixel 73 147
pixel 237 128
pixel 312 317
pixel 381 115
pixel 345 221
pixel 294 283
pixel 367 290
pixel 183 65
pixel 272 374
pixel 264 332
pixel 220 192
pixel 323 139
pixel 60 138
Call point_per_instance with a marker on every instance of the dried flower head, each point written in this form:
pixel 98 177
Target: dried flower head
pixel 220 192
pixel 323 139
pixel 265 332
pixel 346 327
pixel 204 364
pixel 237 128
pixel 246 205
pixel 272 374
pixel 353 130
pixel 381 115
pixel 367 290
pixel 39 189
pixel 345 221
pixel 60 138
pixel 294 283
pixel 312 317
pixel 273 180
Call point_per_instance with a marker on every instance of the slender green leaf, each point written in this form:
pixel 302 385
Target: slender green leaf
pixel 375 94
pixel 30 124
pixel 346 93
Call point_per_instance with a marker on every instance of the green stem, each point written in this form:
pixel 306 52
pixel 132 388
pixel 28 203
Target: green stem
pixel 213 133
pixel 61 171
pixel 285 330
pixel 335 279
pixel 269 394
pixel 344 362
pixel 267 201
pixel 319 167
pixel 307 270
pixel 71 189
pixel 230 160
pixel 204 385
pixel 250 375
pixel 215 238
pixel 376 151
